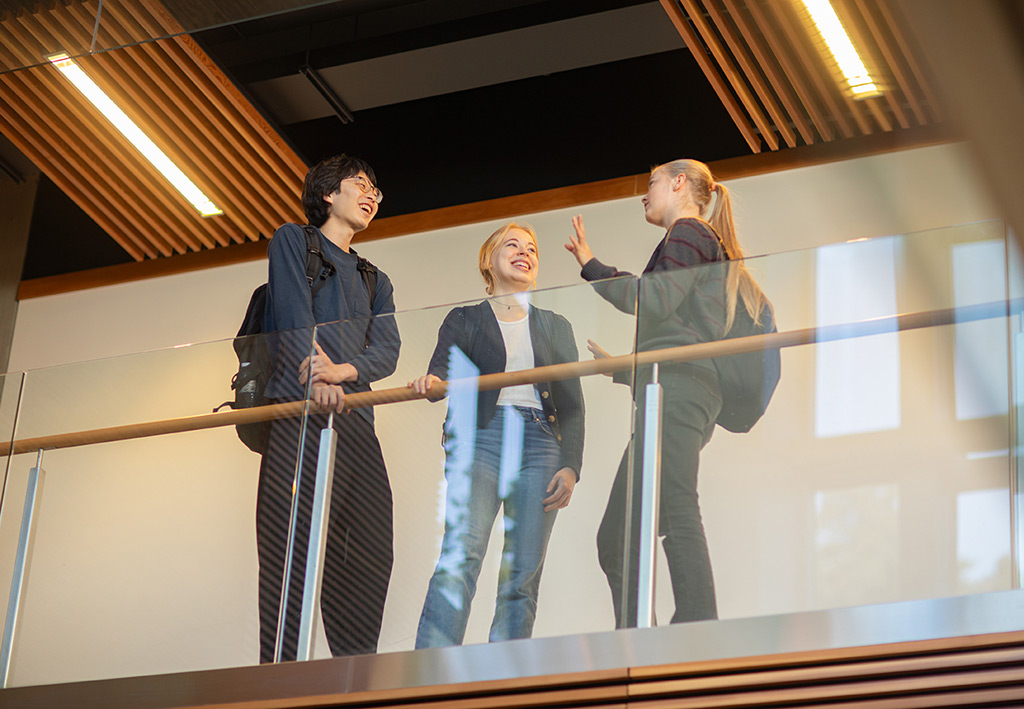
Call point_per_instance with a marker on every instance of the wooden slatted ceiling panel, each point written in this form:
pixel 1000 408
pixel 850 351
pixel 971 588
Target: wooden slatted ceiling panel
pixel 179 98
pixel 781 89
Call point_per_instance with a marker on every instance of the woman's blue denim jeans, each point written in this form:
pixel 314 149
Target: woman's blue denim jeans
pixel 510 463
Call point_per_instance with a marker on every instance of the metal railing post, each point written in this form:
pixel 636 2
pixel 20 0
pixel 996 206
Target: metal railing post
pixel 21 562
pixel 319 517
pixel 650 491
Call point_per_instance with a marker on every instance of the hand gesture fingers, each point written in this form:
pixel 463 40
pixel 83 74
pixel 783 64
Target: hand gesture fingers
pixel 577 245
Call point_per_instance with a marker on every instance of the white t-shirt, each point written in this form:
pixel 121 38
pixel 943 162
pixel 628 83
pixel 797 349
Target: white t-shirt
pixel 518 356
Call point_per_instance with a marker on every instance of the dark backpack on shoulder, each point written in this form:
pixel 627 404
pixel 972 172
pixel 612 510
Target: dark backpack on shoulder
pixel 254 361
pixel 748 380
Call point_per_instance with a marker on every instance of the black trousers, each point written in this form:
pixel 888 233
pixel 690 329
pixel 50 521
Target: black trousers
pixel 359 554
pixel 691 402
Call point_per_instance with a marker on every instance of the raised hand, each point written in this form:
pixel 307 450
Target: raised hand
pixel 577 245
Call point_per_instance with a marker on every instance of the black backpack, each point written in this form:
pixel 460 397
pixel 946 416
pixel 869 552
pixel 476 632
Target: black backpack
pixel 254 360
pixel 748 380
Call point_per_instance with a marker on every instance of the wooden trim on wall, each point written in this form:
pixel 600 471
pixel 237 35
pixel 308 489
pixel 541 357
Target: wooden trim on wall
pixel 502 208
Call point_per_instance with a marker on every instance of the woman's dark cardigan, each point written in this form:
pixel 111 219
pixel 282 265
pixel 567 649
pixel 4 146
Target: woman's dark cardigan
pixel 475 331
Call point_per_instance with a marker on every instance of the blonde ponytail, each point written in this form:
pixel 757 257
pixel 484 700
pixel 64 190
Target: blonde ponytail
pixel 715 204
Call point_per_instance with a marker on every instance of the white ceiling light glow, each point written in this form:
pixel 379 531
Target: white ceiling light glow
pixel 67 66
pixel 831 29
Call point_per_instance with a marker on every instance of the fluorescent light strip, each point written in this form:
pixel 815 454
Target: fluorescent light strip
pixel 134 134
pixel 845 54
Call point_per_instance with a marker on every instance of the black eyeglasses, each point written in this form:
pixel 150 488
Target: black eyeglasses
pixel 364 186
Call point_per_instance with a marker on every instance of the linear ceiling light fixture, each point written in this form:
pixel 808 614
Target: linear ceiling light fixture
pixel 342 111
pixel 831 29
pixel 67 66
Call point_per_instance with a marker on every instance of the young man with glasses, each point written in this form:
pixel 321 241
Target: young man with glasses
pixel 356 342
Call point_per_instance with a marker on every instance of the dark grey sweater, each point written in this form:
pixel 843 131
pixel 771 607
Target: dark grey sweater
pixel 341 309
pixel 679 304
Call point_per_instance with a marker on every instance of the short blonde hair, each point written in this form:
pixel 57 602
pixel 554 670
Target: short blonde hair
pixel 491 245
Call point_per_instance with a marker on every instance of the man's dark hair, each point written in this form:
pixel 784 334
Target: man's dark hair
pixel 324 179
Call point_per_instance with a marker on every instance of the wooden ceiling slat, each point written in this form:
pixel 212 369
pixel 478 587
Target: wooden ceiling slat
pixel 855 107
pixel 166 207
pixel 80 13
pixel 750 69
pixel 208 118
pixel 195 233
pixel 146 80
pixel 282 159
pixel 717 83
pixel 896 64
pixel 27 118
pixel 782 52
pixel 229 105
pixel 225 95
pixel 266 190
pixel 65 39
pixel 799 39
pixel 32 34
pixel 885 49
pixel 874 105
pixel 240 170
pixel 134 18
pixel 29 141
pixel 163 125
pixel 736 78
pixel 852 23
pixel 767 63
pixel 896 23
pixel 101 140
pixel 100 185
pixel 160 201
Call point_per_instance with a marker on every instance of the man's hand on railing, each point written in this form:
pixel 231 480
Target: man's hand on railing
pixel 560 489
pixel 422 385
pixel 328 397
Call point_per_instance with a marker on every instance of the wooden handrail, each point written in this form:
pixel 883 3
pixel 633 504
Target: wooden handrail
pixel 550 373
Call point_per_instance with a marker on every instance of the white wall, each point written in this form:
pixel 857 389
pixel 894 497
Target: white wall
pixel 145 559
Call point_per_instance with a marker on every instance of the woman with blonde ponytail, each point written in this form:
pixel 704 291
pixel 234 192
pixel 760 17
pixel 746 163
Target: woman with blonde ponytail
pixel 684 308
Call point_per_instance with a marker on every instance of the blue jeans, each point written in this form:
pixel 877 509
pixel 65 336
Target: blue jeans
pixel 511 463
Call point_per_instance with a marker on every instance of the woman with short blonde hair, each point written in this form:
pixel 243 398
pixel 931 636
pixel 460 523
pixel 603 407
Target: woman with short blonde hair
pixel 523 453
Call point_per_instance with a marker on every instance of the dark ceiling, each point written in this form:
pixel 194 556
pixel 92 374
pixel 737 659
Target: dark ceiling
pixel 454 101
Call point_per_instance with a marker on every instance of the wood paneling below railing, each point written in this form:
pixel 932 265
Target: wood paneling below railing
pixel 973 671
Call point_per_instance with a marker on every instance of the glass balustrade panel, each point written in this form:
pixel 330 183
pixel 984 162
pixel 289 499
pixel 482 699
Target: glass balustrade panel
pixel 881 470
pixel 469 472
pixel 143 559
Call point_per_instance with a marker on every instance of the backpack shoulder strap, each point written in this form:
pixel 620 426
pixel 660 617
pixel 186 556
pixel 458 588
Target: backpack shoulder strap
pixel 319 268
pixel 369 273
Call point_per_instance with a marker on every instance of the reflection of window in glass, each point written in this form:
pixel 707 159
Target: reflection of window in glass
pixel 857 380
pixel 460 425
pixel 983 541
pixel 980 367
pixel 856 545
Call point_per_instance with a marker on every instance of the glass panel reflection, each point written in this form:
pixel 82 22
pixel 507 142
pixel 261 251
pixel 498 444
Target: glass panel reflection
pixel 146 556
